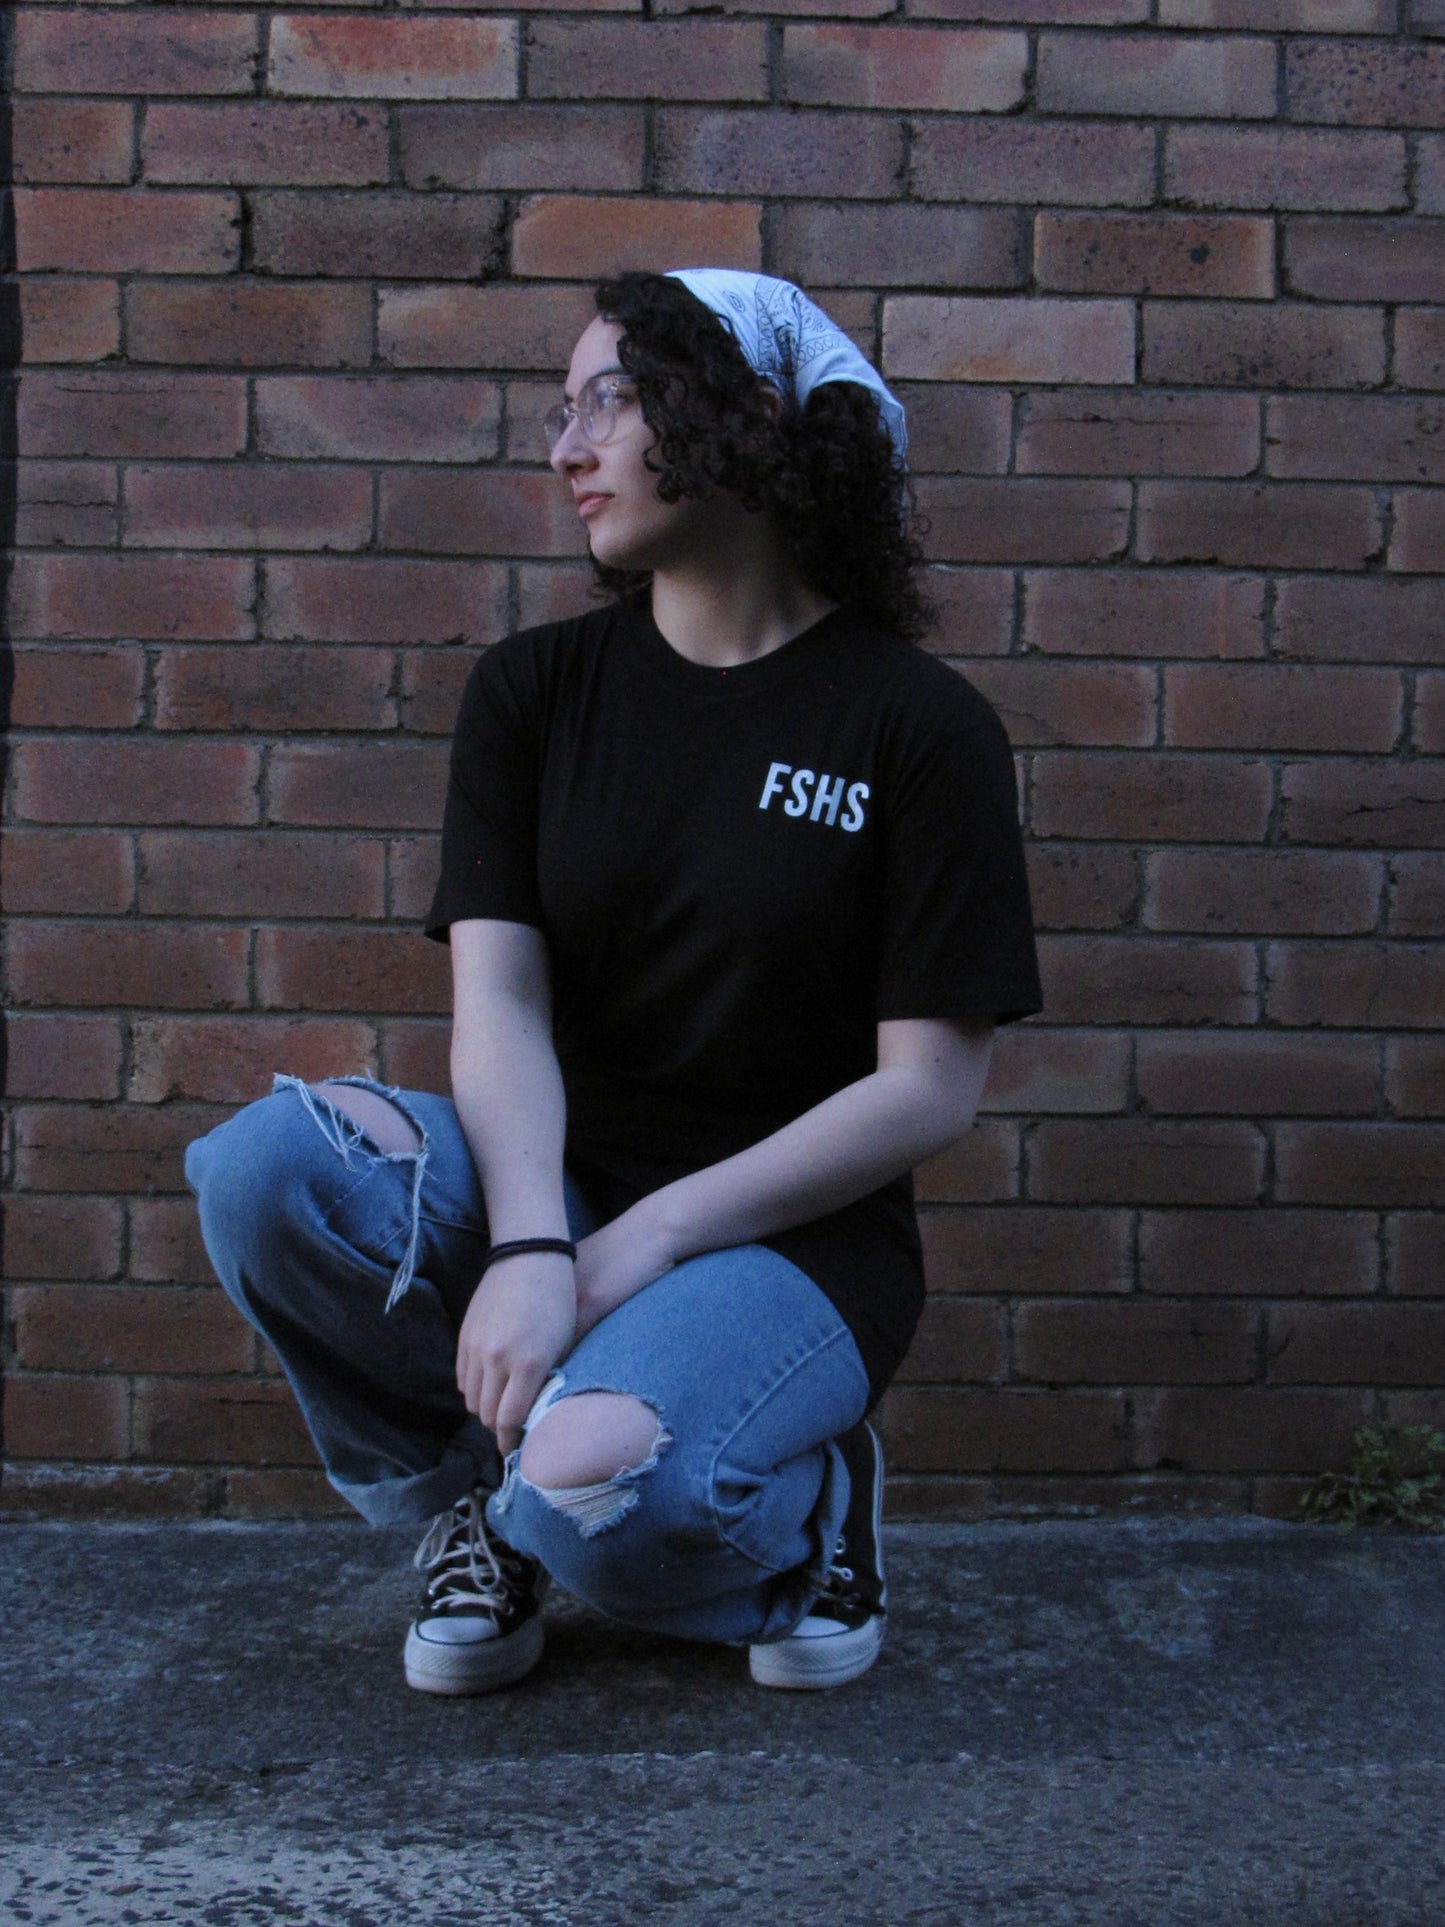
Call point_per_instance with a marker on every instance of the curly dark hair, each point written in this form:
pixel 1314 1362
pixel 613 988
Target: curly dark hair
pixel 827 472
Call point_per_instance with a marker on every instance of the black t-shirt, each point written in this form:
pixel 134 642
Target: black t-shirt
pixel 741 872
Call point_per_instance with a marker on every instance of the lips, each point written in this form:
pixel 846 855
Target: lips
pixel 589 501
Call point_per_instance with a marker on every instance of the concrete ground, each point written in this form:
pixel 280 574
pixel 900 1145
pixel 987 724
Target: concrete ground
pixel 1131 1724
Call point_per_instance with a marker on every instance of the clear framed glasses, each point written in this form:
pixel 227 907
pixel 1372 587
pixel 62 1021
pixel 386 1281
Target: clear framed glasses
pixel 600 406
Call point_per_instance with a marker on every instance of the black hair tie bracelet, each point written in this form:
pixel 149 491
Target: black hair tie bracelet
pixel 518 1245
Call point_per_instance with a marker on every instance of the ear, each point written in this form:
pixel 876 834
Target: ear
pixel 772 400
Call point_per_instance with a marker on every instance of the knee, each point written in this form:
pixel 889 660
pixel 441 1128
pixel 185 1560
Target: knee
pixel 590 1439
pixel 253 1176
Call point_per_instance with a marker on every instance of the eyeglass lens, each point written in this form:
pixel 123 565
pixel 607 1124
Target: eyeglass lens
pixel 595 413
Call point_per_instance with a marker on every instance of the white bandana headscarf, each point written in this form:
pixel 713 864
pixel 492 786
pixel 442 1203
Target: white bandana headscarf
pixel 788 339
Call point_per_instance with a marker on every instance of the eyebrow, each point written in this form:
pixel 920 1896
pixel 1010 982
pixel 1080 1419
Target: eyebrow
pixel 617 370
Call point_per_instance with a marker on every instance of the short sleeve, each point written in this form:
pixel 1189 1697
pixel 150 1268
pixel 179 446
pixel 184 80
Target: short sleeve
pixel 489 829
pixel 958 936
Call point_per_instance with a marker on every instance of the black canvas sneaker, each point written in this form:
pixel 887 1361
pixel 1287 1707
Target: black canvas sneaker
pixel 843 1629
pixel 479 1625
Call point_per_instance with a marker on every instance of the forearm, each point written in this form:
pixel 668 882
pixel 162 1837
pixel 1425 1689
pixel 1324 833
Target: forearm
pixel 508 1093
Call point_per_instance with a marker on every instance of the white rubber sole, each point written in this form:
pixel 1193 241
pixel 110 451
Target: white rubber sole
pixel 808 1664
pixel 478 1668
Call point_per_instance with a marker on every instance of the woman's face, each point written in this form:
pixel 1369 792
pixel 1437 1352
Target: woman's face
pixel 615 491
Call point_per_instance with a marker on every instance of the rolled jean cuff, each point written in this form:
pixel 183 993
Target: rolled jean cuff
pixel 414 1500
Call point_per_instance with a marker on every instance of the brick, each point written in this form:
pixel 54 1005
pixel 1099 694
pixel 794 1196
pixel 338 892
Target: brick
pixel 1392 1166
pixel 73 140
pixel 259 873
pixel 393 58
pixel 1023 519
pixel 384 599
pixel 568 236
pixel 50 1415
pixel 1395 805
pixel 1378 986
pixel 1364 260
pixel 898 245
pixel 415 1053
pixel 933 338
pixel 151 598
pixel 1151 799
pixel 1157 74
pixel 551 591
pixel 929 1428
pixel 1294 168
pixel 1289 525
pixel 218 1421
pixel 249 324
pixel 274 689
pixel 65 502
pixel 959 1341
pixel 388 786
pixel 981 1168
pixel 525 147
pixel 74 780
pixel 1420 348
pixel 1049 13
pixel 1415 1077
pixel 1284 892
pixel 247 506
pixel 1377 440
pixel 69 320
pixel 125 963
pixel 1380 85
pixel 1430 174
pixel 1170 254
pixel 958 430
pixel 1417 543
pixel 1262 1252
pixel 1366 620
pixel 1054 703
pixel 413 865
pixel 481 327
pixel 432 681
pixel 61 1238
pixel 165 1242
pixel 134 53
pixel 948 69
pixel 100 413
pixel 1069 163
pixel 94 1492
pixel 1129 980
pixel 1426 17
pixel 113 230
pixel 648 59
pixel 763 152
pixel 75 870
pixel 478 511
pixel 1126 613
pixel 1428 727
pixel 231 1060
pixel 71 687
pixel 280 1492
pixel 1144 1495
pixel 1252 1074
pixel 847 8
pixel 1243 345
pixel 1035 1070
pixel 1135 1161
pixel 401 236
pixel 49 1056
pixel 1149 1341
pixel 975 609
pixel 1351 1344
pixel 1077 888
pixel 129 1328
pixel 1266 706
pixel 1137 432
pixel 1417 896
pixel 1288 16
pixel 351 970
pixel 1416 1246
pixel 1022 1249
pixel 260 143
pixel 1252 1429
pixel 113 1147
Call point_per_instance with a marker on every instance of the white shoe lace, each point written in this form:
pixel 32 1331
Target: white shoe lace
pixel 462 1561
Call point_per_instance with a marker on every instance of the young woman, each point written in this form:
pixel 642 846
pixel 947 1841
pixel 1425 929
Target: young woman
pixel 733 884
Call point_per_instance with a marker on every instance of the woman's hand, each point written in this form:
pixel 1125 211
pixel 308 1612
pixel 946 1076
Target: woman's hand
pixel 618 1261
pixel 522 1319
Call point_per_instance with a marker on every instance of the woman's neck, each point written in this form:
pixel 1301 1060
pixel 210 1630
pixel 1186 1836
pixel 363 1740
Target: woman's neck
pixel 740 599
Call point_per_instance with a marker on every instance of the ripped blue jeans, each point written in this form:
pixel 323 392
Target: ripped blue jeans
pixel 357 1266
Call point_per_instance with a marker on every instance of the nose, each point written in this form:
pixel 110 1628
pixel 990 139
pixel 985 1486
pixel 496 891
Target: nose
pixel 572 450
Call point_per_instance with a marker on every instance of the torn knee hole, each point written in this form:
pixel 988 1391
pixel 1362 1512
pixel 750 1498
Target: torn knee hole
pixel 388 1127
pixel 585 1455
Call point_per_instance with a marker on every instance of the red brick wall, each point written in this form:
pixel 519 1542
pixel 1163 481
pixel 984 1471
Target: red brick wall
pixel 1163 284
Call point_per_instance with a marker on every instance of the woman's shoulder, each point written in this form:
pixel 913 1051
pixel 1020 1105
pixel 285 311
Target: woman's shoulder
pixel 921 690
